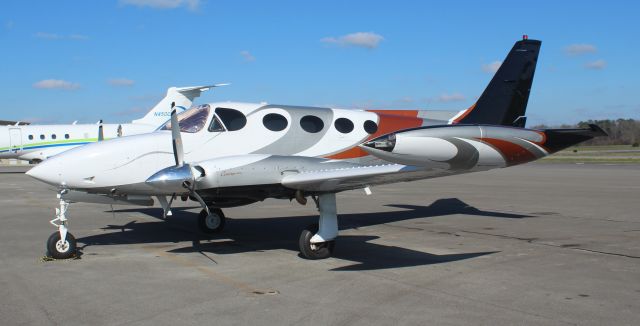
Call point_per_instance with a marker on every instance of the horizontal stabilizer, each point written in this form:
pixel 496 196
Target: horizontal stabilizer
pixel 559 139
pixel 199 88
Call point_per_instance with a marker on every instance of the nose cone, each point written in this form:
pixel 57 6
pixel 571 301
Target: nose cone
pixel 47 172
pixel 122 163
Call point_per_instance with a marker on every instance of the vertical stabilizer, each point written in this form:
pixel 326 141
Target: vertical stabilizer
pixel 181 96
pixel 504 101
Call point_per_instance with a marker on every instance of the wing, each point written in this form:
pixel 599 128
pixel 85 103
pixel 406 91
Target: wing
pixel 356 177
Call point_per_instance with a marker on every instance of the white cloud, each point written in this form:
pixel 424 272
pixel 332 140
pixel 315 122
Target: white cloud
pixel 163 4
pixel 455 97
pixel 48 36
pixel 247 56
pixel 578 49
pixel 367 40
pixel 596 65
pixel 491 68
pixel 446 98
pixel 120 82
pixel 56 84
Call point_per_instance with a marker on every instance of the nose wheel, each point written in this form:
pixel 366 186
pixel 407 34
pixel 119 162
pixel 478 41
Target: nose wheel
pixel 61 249
pixel 212 221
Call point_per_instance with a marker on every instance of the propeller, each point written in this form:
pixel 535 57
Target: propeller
pixel 176 137
pixel 177 179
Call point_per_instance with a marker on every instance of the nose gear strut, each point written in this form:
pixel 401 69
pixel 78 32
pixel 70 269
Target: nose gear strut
pixel 61 244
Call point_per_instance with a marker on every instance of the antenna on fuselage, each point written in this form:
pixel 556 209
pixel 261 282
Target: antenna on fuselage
pixel 100 131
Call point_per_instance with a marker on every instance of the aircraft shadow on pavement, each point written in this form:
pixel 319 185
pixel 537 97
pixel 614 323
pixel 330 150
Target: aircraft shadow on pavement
pixel 273 233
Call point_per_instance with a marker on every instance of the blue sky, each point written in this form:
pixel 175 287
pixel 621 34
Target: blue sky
pixel 113 59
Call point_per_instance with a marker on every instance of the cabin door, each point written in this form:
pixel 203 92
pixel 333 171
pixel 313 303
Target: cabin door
pixel 15 139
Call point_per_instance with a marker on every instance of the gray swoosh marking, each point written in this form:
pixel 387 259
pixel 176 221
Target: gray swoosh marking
pixel 466 158
pixel 296 139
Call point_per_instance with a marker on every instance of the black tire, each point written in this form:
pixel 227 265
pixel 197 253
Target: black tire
pixel 56 249
pixel 207 224
pixel 316 251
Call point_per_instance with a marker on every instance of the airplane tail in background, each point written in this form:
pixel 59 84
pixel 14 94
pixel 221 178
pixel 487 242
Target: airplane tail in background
pixel 181 96
pixel 504 101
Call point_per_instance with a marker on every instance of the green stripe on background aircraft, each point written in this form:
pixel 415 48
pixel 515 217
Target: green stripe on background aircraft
pixel 36 143
pixel 233 154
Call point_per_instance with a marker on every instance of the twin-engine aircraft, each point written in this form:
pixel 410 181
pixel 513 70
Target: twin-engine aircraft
pixel 232 154
pixel 36 143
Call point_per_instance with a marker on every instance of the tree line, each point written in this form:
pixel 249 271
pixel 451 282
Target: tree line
pixel 621 131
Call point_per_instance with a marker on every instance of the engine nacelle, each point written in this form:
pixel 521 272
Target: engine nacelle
pixel 257 169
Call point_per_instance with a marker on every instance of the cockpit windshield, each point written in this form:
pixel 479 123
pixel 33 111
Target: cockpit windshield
pixel 191 120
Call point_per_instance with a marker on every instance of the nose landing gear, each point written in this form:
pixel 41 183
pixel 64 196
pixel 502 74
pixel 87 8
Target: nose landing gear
pixel 61 244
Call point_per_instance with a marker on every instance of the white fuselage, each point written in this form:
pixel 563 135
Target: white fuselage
pixel 143 155
pixel 231 145
pixel 39 142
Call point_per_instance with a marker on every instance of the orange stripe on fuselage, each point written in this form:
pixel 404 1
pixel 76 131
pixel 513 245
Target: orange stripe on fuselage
pixel 388 121
pixel 402 113
pixel 513 154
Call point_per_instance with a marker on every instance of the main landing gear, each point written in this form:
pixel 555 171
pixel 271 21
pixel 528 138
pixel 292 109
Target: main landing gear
pixel 61 244
pixel 317 241
pixel 211 220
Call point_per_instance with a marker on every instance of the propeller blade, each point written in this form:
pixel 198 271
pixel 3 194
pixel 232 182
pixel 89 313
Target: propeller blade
pixel 176 138
pixel 100 131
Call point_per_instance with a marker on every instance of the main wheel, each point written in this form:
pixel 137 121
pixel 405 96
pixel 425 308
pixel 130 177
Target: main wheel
pixel 58 249
pixel 310 250
pixel 211 223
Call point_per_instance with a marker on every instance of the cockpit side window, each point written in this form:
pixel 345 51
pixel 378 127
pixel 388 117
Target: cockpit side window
pixel 191 120
pixel 232 119
pixel 216 125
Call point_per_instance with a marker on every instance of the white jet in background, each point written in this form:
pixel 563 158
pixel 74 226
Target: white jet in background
pixel 36 143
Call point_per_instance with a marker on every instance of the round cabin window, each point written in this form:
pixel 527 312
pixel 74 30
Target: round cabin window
pixel 311 124
pixel 343 125
pixel 370 127
pixel 275 122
